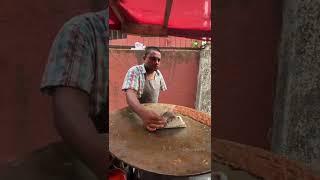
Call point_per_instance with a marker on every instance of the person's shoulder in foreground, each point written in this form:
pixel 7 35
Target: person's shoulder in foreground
pixel 93 19
pixel 70 62
pixel 76 77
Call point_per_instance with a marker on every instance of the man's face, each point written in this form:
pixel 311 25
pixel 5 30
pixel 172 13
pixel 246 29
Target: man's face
pixel 152 60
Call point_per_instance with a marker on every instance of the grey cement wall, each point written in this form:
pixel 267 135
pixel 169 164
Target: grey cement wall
pixel 203 98
pixel 296 129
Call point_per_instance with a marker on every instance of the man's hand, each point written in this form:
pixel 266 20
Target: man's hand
pixel 151 120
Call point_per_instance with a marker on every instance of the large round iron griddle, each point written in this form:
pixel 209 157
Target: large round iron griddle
pixel 174 152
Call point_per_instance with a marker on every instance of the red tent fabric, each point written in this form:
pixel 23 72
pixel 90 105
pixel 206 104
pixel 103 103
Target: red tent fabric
pixel 187 18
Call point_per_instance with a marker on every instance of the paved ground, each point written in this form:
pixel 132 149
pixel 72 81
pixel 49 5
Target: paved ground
pixel 52 163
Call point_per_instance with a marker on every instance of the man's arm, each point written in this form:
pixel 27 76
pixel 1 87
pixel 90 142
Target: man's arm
pixel 71 109
pixel 151 120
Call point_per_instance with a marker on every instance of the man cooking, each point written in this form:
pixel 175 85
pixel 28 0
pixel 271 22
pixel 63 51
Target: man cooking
pixel 142 84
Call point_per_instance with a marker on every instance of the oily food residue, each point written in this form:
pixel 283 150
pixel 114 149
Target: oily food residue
pixel 196 115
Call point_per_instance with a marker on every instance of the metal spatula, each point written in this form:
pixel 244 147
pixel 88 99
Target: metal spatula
pixel 173 121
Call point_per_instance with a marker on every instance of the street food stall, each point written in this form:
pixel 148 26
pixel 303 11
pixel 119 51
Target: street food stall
pixel 179 152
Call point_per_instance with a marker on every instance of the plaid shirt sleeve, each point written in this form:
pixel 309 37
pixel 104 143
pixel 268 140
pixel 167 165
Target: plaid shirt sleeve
pixel 70 62
pixel 131 80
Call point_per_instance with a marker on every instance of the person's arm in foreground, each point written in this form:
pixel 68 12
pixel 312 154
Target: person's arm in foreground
pixel 151 120
pixel 71 109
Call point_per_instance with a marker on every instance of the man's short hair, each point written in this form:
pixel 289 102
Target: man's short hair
pixel 151 48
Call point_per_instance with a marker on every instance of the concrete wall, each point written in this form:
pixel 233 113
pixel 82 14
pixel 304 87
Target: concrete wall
pixel 246 35
pixel 203 99
pixel 297 104
pixel 179 68
pixel 27 31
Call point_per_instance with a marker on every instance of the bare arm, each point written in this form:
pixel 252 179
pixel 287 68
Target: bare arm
pixel 133 102
pixel 151 120
pixel 71 119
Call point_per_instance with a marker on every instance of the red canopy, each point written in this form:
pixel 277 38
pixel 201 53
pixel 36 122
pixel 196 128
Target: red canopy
pixel 187 18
